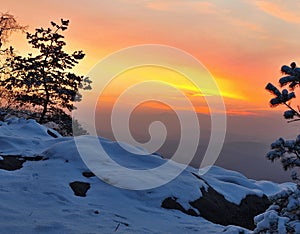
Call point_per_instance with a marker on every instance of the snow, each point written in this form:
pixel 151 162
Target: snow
pixel 225 181
pixel 38 198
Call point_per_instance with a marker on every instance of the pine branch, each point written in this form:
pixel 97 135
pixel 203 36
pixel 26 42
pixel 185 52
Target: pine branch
pixel 291 108
pixel 294 120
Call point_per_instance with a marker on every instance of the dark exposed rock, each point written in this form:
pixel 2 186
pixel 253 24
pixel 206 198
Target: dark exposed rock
pixel 88 174
pixel 214 207
pixel 15 162
pixel 197 176
pixel 52 133
pixel 171 203
pixel 80 188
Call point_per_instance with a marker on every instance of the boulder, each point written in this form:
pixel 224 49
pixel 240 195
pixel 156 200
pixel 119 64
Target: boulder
pixel 214 207
pixel 80 188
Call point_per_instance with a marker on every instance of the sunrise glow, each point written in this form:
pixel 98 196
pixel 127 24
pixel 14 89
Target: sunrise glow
pixel 242 43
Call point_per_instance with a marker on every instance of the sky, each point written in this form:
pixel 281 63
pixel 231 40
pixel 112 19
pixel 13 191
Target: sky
pixel 242 44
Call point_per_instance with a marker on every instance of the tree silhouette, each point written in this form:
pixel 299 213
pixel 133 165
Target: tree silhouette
pixel 44 79
pixel 283 216
pixel 288 151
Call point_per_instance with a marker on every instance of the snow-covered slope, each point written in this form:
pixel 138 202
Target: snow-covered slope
pixel 38 198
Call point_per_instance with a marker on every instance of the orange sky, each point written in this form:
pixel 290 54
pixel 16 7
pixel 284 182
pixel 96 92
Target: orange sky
pixel 242 43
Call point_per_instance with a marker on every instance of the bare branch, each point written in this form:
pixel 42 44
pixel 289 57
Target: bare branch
pixel 8 24
pixel 294 120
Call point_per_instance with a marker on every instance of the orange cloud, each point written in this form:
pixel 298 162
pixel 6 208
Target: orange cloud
pixel 279 10
pixel 204 7
pixel 247 25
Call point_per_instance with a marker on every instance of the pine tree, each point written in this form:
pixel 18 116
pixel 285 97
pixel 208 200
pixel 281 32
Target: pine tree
pixel 288 151
pixel 283 216
pixel 44 79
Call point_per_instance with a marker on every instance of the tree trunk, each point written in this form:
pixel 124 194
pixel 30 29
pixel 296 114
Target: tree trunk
pixel 45 106
pixel 43 113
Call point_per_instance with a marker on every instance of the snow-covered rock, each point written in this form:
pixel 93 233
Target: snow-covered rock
pixel 39 198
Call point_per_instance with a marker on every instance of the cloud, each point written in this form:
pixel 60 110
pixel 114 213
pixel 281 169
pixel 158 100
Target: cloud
pixel 247 25
pixel 204 7
pixel 287 11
